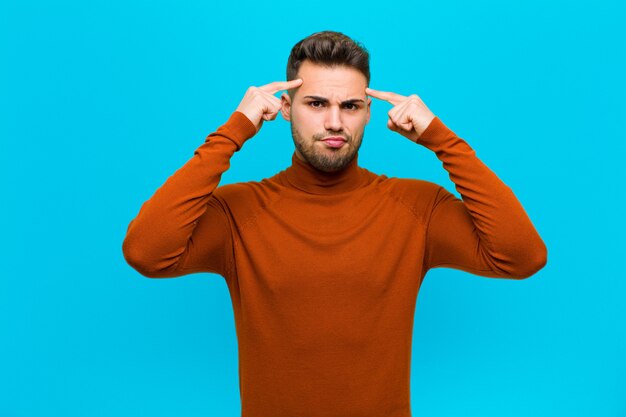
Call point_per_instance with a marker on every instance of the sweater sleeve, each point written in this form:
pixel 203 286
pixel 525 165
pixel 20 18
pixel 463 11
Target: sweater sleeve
pixel 488 232
pixel 183 228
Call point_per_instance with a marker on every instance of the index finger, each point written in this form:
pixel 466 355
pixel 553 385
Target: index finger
pixel 277 86
pixel 393 98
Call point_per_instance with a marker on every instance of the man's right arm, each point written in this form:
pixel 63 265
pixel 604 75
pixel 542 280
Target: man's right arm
pixel 183 228
pixel 159 241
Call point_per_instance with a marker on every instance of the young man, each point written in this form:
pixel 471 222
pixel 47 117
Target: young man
pixel 324 260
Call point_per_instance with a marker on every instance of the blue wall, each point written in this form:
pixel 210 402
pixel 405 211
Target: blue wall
pixel 100 102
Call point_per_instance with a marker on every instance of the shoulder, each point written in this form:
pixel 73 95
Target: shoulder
pixel 415 194
pixel 246 198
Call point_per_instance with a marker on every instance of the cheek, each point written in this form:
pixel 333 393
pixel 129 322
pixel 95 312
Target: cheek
pixel 299 115
pixel 307 121
pixel 358 124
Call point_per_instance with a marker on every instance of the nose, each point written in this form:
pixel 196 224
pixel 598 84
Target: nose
pixel 333 119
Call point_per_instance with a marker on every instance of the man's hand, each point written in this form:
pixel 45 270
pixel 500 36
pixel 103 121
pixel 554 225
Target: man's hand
pixel 409 117
pixel 260 104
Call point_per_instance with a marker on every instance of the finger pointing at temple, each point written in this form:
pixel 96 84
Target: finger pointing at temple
pixel 392 98
pixel 277 86
pixel 259 103
pixel 409 116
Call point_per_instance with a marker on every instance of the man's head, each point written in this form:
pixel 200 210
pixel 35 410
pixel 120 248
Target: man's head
pixel 331 100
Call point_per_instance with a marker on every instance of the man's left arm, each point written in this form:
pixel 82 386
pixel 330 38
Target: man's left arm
pixel 488 232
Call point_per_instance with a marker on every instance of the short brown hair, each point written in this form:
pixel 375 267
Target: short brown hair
pixel 328 48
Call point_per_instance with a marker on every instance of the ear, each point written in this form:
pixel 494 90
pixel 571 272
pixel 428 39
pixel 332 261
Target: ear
pixel 369 105
pixel 285 110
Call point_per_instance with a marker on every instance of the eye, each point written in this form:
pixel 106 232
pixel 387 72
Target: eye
pixel 321 104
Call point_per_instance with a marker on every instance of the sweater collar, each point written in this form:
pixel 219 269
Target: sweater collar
pixel 307 178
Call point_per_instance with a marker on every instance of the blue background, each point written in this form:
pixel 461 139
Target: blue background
pixel 101 101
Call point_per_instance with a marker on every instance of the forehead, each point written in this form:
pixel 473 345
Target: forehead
pixel 336 82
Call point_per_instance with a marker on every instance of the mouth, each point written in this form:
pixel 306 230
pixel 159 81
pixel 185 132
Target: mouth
pixel 334 141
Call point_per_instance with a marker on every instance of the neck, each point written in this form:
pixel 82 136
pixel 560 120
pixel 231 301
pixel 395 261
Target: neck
pixel 306 177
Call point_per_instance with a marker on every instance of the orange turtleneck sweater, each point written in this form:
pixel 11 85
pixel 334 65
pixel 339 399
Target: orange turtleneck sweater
pixel 324 269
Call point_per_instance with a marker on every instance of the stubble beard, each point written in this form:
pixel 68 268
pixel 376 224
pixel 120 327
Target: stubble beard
pixel 329 159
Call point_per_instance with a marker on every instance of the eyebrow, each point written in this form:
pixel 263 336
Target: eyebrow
pixel 325 100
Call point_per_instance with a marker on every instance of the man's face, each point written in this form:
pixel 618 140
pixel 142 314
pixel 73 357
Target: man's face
pixel 329 102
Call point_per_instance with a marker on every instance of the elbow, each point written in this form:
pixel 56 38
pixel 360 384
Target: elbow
pixel 533 262
pixel 134 256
